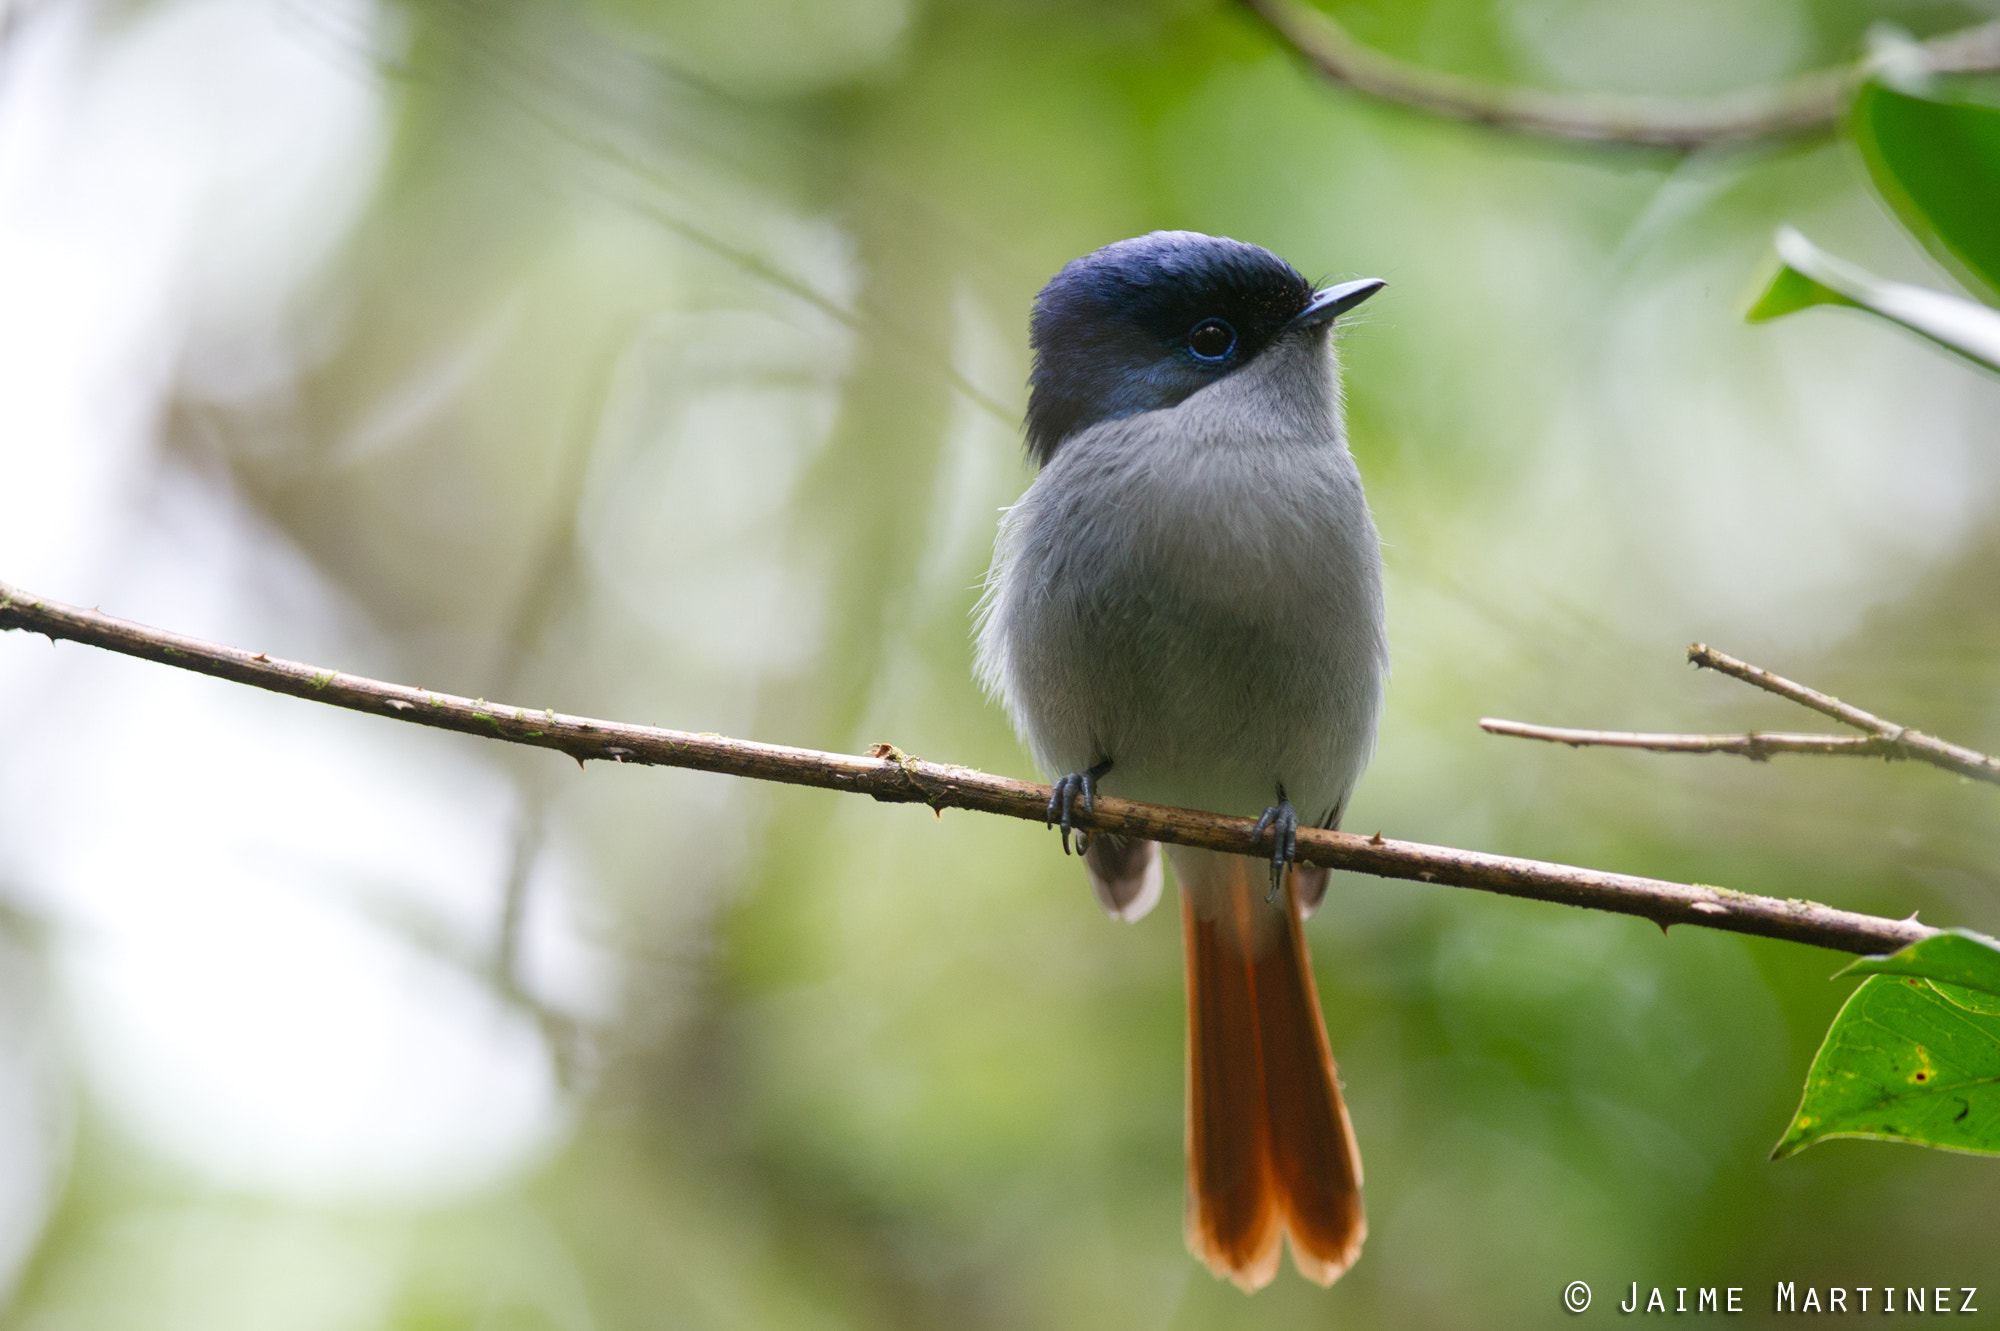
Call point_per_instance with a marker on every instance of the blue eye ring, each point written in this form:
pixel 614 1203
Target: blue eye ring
pixel 1211 340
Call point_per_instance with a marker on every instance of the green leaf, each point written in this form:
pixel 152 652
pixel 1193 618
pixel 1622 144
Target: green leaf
pixel 1904 1062
pixel 1957 957
pixel 1811 276
pixel 1933 150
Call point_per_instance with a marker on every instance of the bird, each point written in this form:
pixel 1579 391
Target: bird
pixel 1185 607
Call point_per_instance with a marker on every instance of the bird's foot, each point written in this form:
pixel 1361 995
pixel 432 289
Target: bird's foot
pixel 1062 803
pixel 1283 821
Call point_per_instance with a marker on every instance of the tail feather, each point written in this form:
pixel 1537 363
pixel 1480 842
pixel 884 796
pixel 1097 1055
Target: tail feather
pixel 1233 1221
pixel 1313 1154
pixel 1271 1154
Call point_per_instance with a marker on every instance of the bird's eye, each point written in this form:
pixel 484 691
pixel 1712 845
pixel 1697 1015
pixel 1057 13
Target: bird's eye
pixel 1212 339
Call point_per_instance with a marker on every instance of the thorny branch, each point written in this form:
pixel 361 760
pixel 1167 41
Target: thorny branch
pixel 894 777
pixel 1881 739
pixel 1799 106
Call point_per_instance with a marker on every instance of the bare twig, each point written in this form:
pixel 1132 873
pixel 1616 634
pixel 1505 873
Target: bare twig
pixel 1704 657
pixel 895 777
pixel 1883 739
pixel 1903 742
pixel 1807 104
pixel 1757 745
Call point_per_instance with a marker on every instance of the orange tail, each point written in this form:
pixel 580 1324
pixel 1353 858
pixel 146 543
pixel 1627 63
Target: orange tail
pixel 1270 1151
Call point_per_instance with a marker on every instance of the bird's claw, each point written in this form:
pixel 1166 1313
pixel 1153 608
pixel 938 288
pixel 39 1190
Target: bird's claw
pixel 1062 803
pixel 1283 822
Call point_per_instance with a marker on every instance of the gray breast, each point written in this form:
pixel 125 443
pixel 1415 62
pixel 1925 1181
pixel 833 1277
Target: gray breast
pixel 1195 594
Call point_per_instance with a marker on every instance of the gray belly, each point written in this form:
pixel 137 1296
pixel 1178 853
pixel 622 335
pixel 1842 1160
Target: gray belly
pixel 1210 671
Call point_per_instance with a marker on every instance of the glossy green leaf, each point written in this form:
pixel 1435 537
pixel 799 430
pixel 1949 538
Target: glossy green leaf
pixel 1906 1060
pixel 1811 276
pixel 1956 957
pixel 1933 151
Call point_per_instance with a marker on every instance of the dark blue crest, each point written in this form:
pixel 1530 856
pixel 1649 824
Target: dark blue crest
pixel 1141 324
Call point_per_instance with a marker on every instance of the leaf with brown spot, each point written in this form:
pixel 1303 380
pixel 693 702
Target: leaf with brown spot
pixel 1908 1059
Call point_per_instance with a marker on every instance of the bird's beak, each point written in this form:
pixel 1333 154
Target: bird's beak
pixel 1335 301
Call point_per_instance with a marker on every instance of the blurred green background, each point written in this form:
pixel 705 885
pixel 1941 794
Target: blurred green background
pixel 663 361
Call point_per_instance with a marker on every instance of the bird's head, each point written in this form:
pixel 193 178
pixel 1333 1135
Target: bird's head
pixel 1142 324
